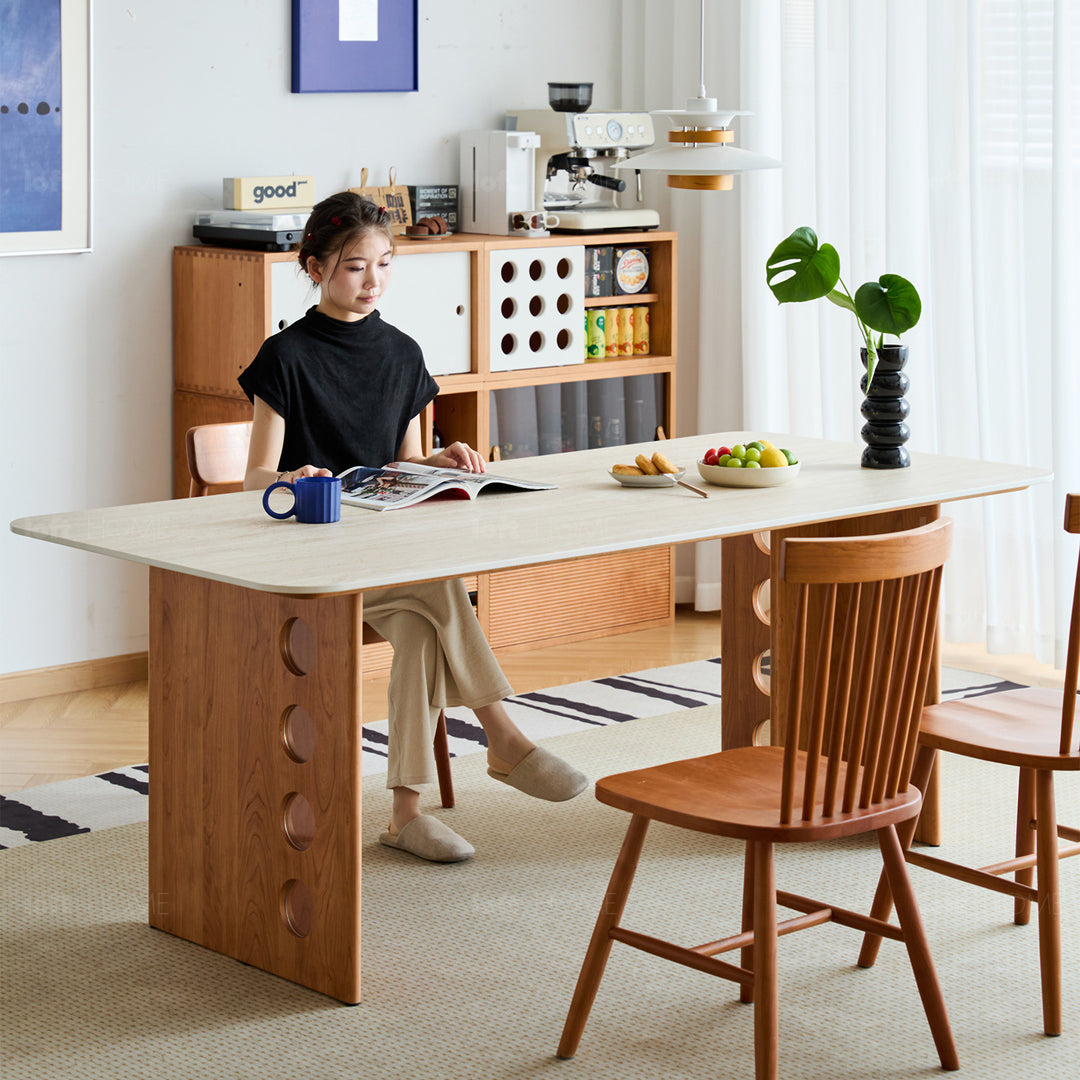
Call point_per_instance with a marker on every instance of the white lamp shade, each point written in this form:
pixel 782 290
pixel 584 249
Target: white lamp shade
pixel 699 160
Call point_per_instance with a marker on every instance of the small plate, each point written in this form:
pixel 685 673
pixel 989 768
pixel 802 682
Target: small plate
pixel 660 480
pixel 722 476
pixel 429 236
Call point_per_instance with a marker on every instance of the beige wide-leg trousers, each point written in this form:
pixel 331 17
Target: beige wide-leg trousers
pixel 441 658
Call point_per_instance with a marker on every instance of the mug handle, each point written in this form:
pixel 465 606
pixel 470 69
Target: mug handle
pixel 552 221
pixel 266 499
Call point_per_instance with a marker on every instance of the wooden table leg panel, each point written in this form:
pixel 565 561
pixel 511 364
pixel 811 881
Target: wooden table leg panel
pixel 745 636
pixel 221 856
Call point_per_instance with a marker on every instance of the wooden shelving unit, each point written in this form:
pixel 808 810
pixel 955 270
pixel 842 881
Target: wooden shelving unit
pixel 226 302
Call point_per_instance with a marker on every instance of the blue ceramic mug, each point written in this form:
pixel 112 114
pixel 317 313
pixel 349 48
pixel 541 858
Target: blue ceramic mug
pixel 316 499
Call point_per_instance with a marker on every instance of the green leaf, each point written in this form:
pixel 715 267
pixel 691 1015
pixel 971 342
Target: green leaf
pixel 841 300
pixel 801 270
pixel 891 304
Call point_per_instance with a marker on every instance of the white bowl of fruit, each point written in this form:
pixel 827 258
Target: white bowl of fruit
pixel 754 464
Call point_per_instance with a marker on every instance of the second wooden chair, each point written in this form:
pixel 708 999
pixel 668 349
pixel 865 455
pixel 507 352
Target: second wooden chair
pixel 1032 730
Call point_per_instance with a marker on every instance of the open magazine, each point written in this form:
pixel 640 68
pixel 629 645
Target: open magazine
pixel 404 483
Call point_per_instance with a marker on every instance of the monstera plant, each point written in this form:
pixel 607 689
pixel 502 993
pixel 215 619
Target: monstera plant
pixel 802 269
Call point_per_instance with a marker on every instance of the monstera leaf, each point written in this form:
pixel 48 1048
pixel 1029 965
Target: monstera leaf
pixel 801 269
pixel 890 305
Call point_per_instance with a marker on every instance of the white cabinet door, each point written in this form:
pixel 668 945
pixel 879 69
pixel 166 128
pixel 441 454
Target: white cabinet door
pixel 429 298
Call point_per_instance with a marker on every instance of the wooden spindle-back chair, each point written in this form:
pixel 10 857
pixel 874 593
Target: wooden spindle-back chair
pixel 857 682
pixel 217 457
pixel 1035 731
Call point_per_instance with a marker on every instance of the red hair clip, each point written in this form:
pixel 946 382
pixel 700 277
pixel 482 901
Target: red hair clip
pixel 335 221
pixel 382 209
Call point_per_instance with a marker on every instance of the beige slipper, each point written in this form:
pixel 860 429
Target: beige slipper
pixel 544 776
pixel 428 838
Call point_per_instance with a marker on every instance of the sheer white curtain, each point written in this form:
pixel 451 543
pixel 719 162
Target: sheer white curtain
pixel 940 140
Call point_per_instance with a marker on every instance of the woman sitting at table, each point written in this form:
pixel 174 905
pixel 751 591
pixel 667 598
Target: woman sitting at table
pixel 341 387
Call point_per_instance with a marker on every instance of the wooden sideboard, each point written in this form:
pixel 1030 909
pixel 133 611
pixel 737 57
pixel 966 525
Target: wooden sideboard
pixel 502 324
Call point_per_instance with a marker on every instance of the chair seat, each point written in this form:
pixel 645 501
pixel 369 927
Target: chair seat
pixel 1014 727
pixel 734 793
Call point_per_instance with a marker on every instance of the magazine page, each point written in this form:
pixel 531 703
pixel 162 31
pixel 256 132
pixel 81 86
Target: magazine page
pixel 404 483
pixel 388 488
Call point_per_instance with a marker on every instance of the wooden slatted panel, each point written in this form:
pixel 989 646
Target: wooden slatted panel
pixel 572 601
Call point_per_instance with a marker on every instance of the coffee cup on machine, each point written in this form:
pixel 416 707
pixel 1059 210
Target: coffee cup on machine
pixel 532 222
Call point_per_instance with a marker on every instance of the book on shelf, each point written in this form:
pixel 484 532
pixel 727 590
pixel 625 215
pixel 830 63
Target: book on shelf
pixel 404 483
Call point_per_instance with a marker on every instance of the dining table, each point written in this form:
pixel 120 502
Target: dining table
pixel 255 665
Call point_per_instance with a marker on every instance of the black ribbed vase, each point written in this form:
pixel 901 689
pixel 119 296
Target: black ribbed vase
pixel 885 410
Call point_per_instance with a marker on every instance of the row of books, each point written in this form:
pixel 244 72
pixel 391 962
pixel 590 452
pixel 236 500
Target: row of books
pixel 559 418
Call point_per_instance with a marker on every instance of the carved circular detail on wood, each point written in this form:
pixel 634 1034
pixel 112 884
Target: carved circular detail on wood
pixel 297 646
pixel 761 600
pixel 761 671
pixel 298 733
pixel 298 821
pixel 297 907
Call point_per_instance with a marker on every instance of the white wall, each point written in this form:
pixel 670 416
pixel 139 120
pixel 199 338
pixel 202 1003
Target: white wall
pixel 185 94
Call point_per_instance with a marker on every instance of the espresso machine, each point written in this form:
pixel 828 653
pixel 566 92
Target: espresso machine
pixel 577 147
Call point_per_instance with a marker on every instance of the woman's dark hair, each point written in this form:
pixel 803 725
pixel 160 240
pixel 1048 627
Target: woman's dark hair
pixel 338 221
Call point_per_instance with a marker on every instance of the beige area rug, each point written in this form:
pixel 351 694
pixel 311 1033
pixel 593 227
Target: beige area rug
pixel 469 969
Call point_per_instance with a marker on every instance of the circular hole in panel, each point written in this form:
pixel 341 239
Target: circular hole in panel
pixel 762 734
pixel 536 341
pixel 761 600
pixel 298 733
pixel 460 309
pixel 508 272
pixel 564 339
pixel 297 646
pixel 508 308
pixel 762 667
pixel 762 541
pixel 536 306
pixel 536 269
pixel 564 268
pixel 297 907
pixel 508 344
pixel 298 821
pixel 564 303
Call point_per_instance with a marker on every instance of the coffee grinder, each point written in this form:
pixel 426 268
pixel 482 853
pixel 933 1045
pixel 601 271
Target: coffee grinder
pixel 576 148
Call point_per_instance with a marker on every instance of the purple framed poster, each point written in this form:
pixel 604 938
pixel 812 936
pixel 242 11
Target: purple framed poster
pixel 353 45
pixel 44 126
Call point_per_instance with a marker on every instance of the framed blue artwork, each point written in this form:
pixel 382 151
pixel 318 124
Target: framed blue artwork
pixel 341 46
pixel 44 126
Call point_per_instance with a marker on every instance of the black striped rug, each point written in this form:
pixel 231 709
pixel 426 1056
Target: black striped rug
pixel 119 797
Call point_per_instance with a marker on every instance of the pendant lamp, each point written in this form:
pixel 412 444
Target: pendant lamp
pixel 702 157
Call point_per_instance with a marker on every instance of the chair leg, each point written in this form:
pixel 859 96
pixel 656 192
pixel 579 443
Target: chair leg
pixel 746 992
pixel 1025 841
pixel 883 902
pixel 1047 885
pixel 922 964
pixel 442 762
pixel 592 970
pixel 766 990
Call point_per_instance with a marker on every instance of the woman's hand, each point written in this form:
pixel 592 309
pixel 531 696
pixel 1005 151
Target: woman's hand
pixel 457 455
pixel 304 470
